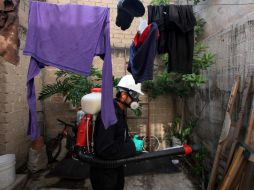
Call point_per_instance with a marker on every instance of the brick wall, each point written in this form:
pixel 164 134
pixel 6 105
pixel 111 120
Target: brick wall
pixel 14 112
pixel 14 115
pixel 118 38
pixel 120 41
pixel 23 12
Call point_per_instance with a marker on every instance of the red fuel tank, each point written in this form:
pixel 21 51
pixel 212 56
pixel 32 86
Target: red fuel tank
pixel 85 132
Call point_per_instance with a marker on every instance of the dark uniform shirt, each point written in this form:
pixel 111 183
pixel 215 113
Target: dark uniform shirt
pixel 111 144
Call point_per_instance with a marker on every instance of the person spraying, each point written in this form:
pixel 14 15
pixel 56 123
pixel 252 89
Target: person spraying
pixel 115 143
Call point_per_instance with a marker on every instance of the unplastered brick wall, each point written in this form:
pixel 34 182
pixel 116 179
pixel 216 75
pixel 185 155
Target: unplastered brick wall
pixel 14 112
pixel 23 12
pixel 120 42
pixel 118 38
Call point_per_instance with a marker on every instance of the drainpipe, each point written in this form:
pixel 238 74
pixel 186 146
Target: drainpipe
pixel 148 130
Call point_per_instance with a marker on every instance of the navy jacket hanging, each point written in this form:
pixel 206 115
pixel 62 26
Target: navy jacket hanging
pixel 142 54
pixel 176 25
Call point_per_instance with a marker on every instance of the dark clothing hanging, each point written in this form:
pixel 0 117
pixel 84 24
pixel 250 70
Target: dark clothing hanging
pixel 111 144
pixel 142 54
pixel 176 25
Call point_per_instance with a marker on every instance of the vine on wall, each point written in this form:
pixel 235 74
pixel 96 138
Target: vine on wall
pixel 182 85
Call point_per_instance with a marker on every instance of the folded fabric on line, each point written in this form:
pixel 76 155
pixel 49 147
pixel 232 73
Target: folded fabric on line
pixel 68 37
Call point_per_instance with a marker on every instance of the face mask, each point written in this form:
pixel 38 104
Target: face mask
pixel 134 105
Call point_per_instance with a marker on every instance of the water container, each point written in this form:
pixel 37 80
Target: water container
pixel 7 170
pixel 91 103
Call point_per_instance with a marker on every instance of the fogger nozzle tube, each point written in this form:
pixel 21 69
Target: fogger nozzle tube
pixel 179 150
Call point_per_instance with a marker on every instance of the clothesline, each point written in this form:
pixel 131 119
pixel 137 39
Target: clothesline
pixel 225 4
pixel 222 4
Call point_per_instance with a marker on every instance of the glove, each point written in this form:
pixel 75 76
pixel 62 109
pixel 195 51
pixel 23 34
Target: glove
pixel 138 143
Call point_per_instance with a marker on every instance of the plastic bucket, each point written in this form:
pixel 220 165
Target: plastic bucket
pixel 7 170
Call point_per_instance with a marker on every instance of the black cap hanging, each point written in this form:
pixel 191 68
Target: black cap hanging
pixel 127 10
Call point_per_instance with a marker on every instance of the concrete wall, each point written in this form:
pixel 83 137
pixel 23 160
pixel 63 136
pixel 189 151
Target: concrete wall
pixel 14 112
pixel 229 35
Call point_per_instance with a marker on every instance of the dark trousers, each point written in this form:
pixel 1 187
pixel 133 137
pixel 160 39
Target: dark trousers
pixel 107 179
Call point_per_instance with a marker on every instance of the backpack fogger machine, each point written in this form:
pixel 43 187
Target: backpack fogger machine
pixel 91 105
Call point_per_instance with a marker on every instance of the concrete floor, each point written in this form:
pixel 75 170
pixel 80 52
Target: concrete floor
pixel 176 181
pixel 154 175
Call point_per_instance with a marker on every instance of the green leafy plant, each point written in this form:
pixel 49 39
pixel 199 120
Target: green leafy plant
pixel 197 1
pixel 195 163
pixel 201 58
pixel 182 133
pixel 199 158
pixel 160 2
pixel 173 83
pixel 193 80
pixel 138 111
pixel 199 28
pixel 71 86
pixel 195 166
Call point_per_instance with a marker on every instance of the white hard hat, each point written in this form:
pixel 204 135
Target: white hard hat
pixel 128 82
